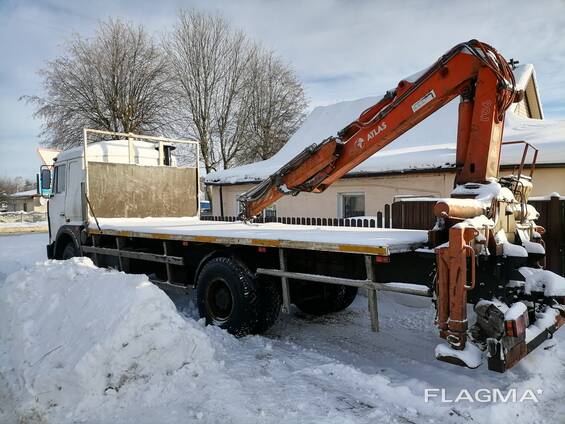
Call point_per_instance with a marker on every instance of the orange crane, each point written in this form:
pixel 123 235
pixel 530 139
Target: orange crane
pixel 481 77
pixel 473 70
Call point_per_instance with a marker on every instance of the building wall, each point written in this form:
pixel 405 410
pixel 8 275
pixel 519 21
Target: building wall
pixel 378 192
pixel 27 204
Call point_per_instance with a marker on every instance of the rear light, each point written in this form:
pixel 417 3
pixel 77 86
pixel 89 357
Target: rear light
pixel 262 249
pixel 382 259
pixel 517 327
pixel 539 229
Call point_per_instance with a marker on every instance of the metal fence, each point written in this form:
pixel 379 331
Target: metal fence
pixel 21 216
pixel 380 220
pixel 419 215
pixel 552 218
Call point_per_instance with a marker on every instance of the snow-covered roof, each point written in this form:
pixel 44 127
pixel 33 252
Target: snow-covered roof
pixel 26 193
pixel 429 145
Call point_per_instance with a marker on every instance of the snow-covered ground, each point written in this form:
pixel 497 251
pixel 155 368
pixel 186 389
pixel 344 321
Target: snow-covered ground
pixel 86 345
pixel 23 227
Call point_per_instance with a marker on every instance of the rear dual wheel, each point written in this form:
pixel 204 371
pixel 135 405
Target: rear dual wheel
pixel 321 299
pixel 229 296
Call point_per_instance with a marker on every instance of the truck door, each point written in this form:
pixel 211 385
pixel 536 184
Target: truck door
pixel 57 200
pixel 73 209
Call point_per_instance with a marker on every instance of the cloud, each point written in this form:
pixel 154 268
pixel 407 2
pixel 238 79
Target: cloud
pixel 340 49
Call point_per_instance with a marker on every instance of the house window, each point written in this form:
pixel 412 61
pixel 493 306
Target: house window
pixel 270 213
pixel 351 204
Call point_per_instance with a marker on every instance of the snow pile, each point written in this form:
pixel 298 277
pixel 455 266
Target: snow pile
pixel 533 247
pixel 78 340
pixel 478 222
pixel 515 311
pixel 509 249
pixel 544 320
pixel 484 192
pixel 541 280
pixel 471 355
pixel 82 344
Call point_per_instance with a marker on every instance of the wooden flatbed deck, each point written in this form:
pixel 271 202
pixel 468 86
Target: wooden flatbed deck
pixel 373 241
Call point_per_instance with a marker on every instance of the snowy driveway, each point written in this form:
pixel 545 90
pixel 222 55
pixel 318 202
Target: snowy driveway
pixel 81 344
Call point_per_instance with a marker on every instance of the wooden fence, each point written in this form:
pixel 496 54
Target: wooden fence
pixel 419 215
pixel 552 218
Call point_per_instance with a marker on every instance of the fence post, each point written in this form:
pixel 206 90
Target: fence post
pixel 396 217
pixel 555 225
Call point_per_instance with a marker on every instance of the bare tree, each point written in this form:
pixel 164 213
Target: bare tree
pixel 239 100
pixel 276 103
pixel 116 81
pixel 208 61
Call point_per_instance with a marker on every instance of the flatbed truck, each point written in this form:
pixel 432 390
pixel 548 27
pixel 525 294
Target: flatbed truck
pixel 128 204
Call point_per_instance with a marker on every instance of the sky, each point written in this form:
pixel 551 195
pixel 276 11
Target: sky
pixel 340 50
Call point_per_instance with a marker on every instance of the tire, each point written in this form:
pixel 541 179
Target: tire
pixel 270 301
pixel 70 251
pixel 324 298
pixel 229 297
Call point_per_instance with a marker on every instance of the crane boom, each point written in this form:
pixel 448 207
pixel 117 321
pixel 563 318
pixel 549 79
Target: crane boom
pixel 473 70
pixel 485 239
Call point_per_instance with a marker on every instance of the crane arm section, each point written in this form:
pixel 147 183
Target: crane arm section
pixel 474 71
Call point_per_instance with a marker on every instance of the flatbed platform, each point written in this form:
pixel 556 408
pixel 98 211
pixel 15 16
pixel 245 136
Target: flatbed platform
pixel 373 241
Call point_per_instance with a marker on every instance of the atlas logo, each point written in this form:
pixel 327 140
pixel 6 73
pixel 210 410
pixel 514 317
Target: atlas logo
pixel 360 143
pixel 486 107
pixel 376 131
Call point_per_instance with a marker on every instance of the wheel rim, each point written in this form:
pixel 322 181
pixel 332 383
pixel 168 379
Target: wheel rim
pixel 219 301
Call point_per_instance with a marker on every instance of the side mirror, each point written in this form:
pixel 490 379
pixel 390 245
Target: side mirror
pixel 45 181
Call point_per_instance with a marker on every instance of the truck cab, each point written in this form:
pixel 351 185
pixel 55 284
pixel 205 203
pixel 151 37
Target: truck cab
pixel 70 205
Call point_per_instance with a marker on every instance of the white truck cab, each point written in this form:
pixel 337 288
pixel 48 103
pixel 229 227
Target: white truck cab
pixel 65 184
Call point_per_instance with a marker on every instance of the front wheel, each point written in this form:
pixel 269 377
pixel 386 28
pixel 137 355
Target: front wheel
pixel 230 297
pixel 70 251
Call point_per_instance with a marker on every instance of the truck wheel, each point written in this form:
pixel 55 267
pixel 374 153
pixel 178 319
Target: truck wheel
pixel 324 299
pixel 70 251
pixel 228 296
pixel 270 301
